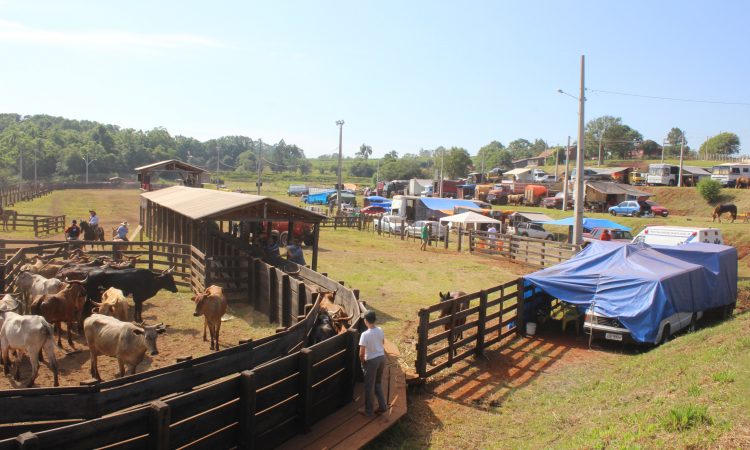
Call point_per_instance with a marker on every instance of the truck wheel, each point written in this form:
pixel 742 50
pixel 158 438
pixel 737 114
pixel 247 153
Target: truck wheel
pixel 613 212
pixel 550 238
pixel 665 214
pixel 693 322
pixel 283 238
pixel 665 334
pixel 671 182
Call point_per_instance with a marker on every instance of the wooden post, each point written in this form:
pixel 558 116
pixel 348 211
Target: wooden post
pixel 150 255
pixel 286 301
pixel 159 426
pixel 482 325
pixel 247 409
pixel 305 391
pixel 27 441
pixel 460 237
pixel 2 278
pixel 422 332
pixel 520 302
pixel 316 236
pixel 350 369
pixel 452 333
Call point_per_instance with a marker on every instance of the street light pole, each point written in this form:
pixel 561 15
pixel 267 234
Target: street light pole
pixel 578 205
pixel 87 162
pixel 565 178
pixel 217 167
pixel 340 123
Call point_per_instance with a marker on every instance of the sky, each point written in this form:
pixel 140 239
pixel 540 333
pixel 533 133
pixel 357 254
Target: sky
pixel 403 76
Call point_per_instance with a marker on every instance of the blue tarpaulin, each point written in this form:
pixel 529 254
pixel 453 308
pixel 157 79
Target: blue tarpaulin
pixel 641 285
pixel 376 199
pixel 446 204
pixel 588 223
pixel 320 198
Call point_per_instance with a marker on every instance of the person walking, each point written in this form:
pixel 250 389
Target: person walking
pixel 425 236
pixel 294 252
pixel 372 357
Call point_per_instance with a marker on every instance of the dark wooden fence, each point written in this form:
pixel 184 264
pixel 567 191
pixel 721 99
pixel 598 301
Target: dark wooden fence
pixel 527 250
pixel 488 317
pixel 11 195
pixel 41 224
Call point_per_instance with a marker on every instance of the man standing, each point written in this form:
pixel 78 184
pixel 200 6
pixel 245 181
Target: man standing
pixel 72 232
pixel 294 252
pixel 425 236
pixel 372 357
pixel 491 232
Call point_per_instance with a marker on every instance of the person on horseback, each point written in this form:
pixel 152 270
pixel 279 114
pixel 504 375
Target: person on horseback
pixel 94 221
pixel 122 231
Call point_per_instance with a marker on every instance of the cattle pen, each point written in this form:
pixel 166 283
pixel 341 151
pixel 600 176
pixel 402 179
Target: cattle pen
pixel 257 394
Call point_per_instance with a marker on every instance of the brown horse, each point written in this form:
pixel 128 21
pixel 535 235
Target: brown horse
pixel 721 209
pixel 446 311
pixel 91 233
pixel 6 215
pixel 742 182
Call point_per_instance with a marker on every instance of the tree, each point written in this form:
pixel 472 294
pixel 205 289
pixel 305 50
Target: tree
pixel 618 140
pixel 721 144
pixel 709 189
pixel 674 140
pixel 400 169
pixel 457 162
pixel 651 149
pixel 364 151
pixel 393 154
pixel 361 169
pixel 520 149
pixel 495 155
pixel 538 147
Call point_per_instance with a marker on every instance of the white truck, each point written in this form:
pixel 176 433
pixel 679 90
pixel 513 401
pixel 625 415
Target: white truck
pixel 665 235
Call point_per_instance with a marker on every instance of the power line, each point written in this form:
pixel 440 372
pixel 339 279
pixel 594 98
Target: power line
pixel 674 99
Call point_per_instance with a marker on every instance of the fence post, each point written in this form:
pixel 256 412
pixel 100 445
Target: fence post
pixel 159 426
pixel 2 278
pixel 150 255
pixel 520 307
pixel 350 369
pixel 305 397
pixel 482 324
pixel 36 225
pixel 422 333
pixel 247 409
pixel 28 441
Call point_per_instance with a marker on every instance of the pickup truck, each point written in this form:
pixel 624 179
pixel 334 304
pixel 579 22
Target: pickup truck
pixel 303 231
pixel 534 230
pixel 617 235
pixel 556 201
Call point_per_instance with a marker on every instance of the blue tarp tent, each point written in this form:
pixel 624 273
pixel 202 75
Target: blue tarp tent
pixel 320 198
pixel 446 204
pixel 588 223
pixel 641 285
pixel 376 199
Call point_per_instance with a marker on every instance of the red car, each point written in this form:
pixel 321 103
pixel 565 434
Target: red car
pixel 372 210
pixel 657 209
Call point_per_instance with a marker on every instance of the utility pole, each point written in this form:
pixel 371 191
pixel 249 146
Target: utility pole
pixel 682 150
pixel 442 165
pixel 601 138
pixel 340 123
pixel 217 167
pixel 482 167
pixel 578 205
pixel 557 162
pixel 87 161
pixel 260 164
pixel 565 177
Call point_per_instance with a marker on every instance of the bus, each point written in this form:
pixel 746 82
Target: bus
pixel 727 174
pixel 662 175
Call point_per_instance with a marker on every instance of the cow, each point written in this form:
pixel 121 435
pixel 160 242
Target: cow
pixel 9 303
pixel 721 209
pixel 339 319
pixel 32 285
pixel 45 268
pixel 742 181
pixel 30 335
pixel 515 199
pixel 448 298
pixel 323 328
pixel 211 304
pixel 64 306
pixel 128 342
pixel 141 283
pixel 114 304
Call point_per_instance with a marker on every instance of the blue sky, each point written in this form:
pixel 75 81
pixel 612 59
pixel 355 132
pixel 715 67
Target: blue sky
pixel 403 75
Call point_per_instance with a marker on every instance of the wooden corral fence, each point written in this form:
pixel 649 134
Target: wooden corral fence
pixel 531 251
pixel 255 395
pixel 11 195
pixel 41 224
pixel 489 317
pixel 342 221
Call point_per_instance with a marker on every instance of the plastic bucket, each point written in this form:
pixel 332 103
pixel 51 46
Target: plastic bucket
pixel 530 328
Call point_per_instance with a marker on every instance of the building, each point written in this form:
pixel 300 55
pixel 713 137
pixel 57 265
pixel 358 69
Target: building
pixel 187 174
pixel 529 162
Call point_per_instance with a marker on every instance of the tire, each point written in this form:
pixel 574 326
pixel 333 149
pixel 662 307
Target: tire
pixel 693 322
pixel 726 311
pixel 666 334
pixel 665 214
pixel 614 213
pixel 283 239
pixel 671 183
pixel 549 238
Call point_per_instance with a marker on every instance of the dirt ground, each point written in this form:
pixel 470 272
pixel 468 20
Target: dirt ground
pixel 183 338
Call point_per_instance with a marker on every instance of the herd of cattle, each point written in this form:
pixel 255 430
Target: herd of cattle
pixel 77 289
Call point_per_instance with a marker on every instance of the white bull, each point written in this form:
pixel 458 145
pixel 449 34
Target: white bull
pixel 123 340
pixel 31 285
pixel 30 335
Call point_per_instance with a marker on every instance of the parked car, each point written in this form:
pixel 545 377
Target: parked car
pixel 556 201
pixel 665 235
pixel 627 208
pixel 617 234
pixel 372 210
pixel 390 223
pixel 437 230
pixel 611 329
pixel 297 190
pixel 533 230
pixel 657 210
pixel 538 175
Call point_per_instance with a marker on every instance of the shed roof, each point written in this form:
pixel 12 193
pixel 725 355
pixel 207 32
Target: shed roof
pixel 518 171
pixel 171 164
pixel 693 170
pixel 608 187
pixel 197 203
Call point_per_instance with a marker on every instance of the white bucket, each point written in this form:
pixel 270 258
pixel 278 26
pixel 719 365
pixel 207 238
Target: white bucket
pixel 530 328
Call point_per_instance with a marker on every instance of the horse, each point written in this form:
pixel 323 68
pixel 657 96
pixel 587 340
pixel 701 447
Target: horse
pixel 6 215
pixel 448 308
pixel 742 181
pixel 721 209
pixel 91 233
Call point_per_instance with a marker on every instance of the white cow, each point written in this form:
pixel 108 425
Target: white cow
pixel 30 335
pixel 123 340
pixel 31 285
pixel 113 304
pixel 9 303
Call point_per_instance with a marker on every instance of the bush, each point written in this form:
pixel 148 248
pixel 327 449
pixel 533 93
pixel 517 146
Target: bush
pixel 686 417
pixel 709 189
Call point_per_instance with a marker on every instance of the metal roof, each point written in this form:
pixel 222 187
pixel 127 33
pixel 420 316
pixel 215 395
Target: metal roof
pixel 518 171
pixel 700 171
pixel 608 187
pixel 179 165
pixel 198 203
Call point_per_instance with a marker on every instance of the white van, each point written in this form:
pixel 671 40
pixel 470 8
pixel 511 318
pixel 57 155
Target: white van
pixel 664 235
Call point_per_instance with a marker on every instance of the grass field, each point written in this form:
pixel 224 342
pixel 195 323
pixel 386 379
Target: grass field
pixel 545 392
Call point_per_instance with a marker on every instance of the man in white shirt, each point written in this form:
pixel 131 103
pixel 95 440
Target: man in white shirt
pixel 372 356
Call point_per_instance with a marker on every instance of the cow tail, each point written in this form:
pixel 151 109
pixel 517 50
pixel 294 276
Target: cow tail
pixel 49 342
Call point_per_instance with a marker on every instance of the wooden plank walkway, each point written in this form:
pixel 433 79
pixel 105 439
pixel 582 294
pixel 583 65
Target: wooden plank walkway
pixel 347 429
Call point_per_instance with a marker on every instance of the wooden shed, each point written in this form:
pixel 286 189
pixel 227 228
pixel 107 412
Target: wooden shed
pixel 190 175
pixel 187 215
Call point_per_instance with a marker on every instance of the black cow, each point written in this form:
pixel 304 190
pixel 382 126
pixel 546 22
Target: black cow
pixel 141 283
pixel 323 328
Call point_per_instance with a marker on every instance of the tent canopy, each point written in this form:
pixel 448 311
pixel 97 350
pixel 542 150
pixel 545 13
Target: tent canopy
pixel 469 217
pixel 440 204
pixel 376 199
pixel 642 285
pixel 588 222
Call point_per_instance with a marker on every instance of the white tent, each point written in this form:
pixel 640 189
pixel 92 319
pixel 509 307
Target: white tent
pixel 469 218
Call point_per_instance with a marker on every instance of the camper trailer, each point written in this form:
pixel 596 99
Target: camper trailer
pixel 727 174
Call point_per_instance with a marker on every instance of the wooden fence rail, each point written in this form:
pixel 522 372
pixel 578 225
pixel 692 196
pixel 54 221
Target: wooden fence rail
pixel 531 251
pixel 11 195
pixel 41 224
pixel 455 329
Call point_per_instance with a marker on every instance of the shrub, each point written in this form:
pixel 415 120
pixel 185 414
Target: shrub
pixel 686 417
pixel 709 189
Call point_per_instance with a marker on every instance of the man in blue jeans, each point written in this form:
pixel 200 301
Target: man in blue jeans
pixel 372 356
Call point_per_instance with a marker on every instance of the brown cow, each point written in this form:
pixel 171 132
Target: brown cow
pixel 447 298
pixel 516 199
pixel 211 304
pixel 64 306
pixel 113 304
pixel 742 182
pixel 339 319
